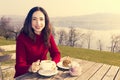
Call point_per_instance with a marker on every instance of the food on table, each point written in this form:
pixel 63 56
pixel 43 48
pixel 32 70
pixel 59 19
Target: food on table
pixel 66 61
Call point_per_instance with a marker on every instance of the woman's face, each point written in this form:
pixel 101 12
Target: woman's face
pixel 38 22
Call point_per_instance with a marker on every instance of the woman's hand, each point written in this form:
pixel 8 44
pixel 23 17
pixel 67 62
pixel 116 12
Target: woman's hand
pixel 35 66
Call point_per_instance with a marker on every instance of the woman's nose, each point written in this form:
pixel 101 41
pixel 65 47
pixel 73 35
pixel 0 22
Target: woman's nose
pixel 38 22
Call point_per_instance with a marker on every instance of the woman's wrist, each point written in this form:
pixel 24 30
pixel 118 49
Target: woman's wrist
pixel 30 69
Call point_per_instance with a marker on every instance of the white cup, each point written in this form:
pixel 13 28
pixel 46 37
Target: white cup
pixel 47 65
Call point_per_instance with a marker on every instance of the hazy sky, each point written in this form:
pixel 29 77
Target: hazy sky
pixel 60 7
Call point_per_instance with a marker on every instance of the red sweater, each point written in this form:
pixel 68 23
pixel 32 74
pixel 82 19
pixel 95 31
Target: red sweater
pixel 28 52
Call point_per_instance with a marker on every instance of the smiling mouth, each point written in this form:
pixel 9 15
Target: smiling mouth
pixel 37 27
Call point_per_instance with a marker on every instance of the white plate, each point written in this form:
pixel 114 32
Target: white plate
pixel 60 65
pixel 47 73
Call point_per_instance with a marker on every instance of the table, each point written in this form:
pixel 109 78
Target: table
pixel 90 71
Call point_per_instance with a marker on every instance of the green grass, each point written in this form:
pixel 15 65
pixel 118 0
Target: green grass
pixel 3 41
pixel 85 54
pixel 8 52
pixel 91 55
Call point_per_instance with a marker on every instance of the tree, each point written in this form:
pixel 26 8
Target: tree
pixel 73 37
pixel 15 29
pixel 88 36
pixel 53 31
pixel 115 43
pixel 9 29
pixel 5 27
pixel 62 40
pixel 100 45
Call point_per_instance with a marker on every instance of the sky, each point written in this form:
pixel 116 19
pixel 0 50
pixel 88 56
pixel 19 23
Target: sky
pixel 60 8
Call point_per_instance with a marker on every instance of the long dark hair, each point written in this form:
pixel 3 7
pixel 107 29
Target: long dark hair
pixel 27 27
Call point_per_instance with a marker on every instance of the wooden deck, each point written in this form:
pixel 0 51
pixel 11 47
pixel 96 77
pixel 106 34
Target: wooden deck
pixel 90 71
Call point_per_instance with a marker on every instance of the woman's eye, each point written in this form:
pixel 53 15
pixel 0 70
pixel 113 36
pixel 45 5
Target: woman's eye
pixel 41 19
pixel 33 19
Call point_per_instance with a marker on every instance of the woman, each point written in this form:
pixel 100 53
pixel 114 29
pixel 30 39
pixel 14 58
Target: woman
pixel 34 42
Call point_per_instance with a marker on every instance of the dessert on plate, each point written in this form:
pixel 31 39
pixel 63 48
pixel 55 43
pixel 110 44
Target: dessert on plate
pixel 66 61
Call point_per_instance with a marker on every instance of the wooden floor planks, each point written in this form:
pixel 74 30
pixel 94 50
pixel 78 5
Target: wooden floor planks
pixel 100 73
pixel 111 73
pixel 90 72
pixel 118 75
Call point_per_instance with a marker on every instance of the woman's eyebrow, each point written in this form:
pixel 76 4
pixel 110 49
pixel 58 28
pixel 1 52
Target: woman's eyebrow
pixel 37 17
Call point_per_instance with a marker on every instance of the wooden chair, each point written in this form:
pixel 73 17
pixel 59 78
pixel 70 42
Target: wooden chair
pixel 2 59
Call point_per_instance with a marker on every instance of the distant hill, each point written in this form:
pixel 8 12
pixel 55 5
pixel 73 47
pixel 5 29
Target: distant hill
pixel 97 21
pixel 93 21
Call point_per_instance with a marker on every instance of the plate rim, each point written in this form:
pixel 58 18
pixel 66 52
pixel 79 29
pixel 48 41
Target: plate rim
pixel 48 75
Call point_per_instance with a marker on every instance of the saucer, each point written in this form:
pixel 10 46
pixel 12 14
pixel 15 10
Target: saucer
pixel 47 73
